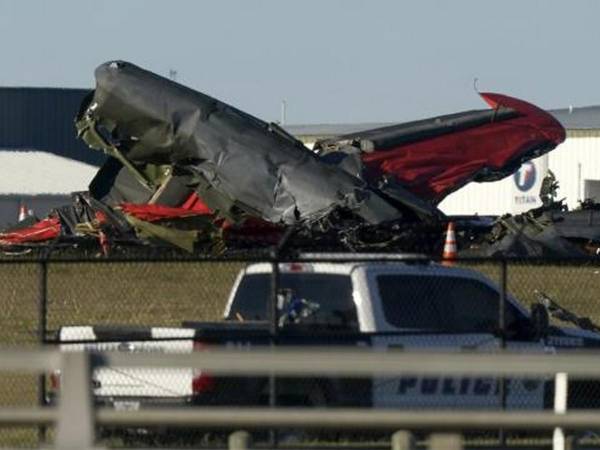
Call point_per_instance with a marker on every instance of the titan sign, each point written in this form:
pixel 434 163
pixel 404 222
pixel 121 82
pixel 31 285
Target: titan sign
pixel 527 182
pixel 526 176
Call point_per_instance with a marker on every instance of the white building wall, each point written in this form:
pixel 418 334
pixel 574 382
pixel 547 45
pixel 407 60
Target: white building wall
pixel 480 198
pixel 574 161
pixel 514 194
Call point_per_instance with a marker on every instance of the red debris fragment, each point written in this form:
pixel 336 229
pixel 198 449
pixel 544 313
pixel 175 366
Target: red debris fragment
pixel 193 206
pixel 43 230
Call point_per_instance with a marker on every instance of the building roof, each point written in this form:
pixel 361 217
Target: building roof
pixel 578 118
pixel 35 172
pixel 42 119
pixel 320 130
pixel 572 118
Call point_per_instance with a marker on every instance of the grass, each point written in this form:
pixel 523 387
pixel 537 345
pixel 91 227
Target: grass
pixel 574 286
pixel 158 294
pixel 165 294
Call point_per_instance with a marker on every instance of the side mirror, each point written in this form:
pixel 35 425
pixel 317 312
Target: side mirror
pixel 540 321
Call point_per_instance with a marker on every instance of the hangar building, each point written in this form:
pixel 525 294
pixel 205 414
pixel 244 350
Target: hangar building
pixel 42 162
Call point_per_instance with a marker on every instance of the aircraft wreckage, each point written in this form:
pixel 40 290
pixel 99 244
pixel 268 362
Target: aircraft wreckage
pixel 188 171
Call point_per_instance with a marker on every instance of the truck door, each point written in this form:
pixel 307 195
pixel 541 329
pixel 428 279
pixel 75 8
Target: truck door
pixel 434 312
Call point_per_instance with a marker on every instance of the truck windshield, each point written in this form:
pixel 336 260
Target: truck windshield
pixel 441 303
pixel 332 293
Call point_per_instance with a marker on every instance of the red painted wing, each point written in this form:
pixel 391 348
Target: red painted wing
pixel 434 166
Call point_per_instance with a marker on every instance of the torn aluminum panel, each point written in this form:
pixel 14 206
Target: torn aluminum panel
pixel 532 234
pixel 235 162
pixel 434 157
pixel 115 184
pixel 84 211
pixel 548 231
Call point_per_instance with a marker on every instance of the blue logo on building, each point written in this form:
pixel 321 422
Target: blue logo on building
pixel 525 177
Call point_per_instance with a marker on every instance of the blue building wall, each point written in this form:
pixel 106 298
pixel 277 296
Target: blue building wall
pixel 43 119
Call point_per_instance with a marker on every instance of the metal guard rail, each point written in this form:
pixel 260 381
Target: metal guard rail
pixel 76 418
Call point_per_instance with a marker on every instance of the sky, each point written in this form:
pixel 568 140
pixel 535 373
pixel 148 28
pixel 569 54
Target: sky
pixel 332 61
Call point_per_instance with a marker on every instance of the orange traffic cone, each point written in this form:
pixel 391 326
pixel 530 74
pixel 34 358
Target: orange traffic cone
pixel 449 254
pixel 22 212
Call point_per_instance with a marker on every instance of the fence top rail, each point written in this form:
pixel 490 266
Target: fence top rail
pixel 365 362
pixel 349 418
pixel 271 256
pixel 337 361
pixel 352 418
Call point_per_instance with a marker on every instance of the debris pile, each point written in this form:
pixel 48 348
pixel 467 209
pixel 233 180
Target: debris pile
pixel 188 171
pixel 548 231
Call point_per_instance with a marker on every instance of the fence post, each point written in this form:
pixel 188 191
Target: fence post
pixel 274 316
pixel 403 440
pixel 42 330
pixel 239 440
pixel 445 441
pixel 502 306
pixel 75 427
pixel 273 311
pixel 560 407
pixel 502 327
pixel 274 323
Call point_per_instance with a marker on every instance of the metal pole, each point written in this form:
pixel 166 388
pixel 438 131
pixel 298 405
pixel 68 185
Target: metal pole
pixel 560 407
pixel 356 362
pixel 273 312
pixel 239 440
pixel 42 328
pixel 502 327
pixel 274 322
pixel 579 196
pixel 75 427
pixel 403 440
pixel 274 316
pixel 43 302
pixel 502 308
pixel 283 112
pixel 343 418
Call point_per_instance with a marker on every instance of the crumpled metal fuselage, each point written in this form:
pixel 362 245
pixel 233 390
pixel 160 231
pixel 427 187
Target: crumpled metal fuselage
pixel 234 161
pixel 240 165
pixel 203 160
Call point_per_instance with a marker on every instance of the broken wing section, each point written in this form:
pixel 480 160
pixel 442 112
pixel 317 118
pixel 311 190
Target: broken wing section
pixel 434 157
pixel 238 164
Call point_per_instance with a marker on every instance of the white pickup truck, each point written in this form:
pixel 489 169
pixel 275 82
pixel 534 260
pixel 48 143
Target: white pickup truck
pixel 425 306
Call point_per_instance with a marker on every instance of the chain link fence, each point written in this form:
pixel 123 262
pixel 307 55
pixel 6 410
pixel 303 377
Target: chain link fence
pixel 20 298
pixel 387 302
